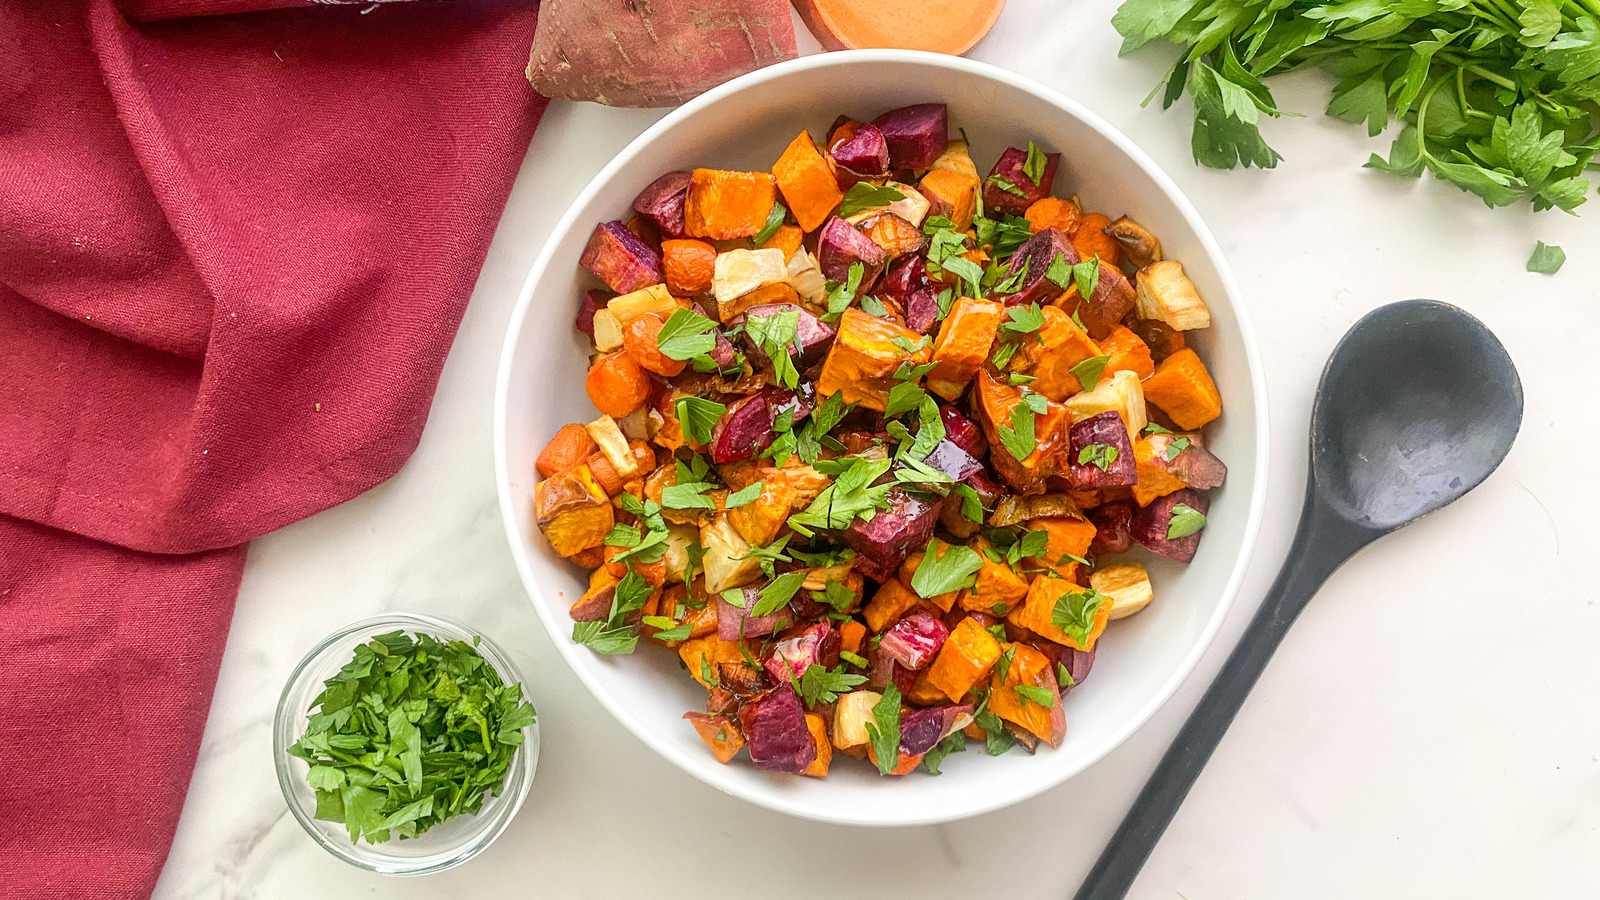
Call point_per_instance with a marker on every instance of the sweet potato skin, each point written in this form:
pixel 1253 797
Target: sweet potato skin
pixel 608 52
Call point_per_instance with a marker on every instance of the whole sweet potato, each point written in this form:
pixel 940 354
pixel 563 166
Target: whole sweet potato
pixel 623 53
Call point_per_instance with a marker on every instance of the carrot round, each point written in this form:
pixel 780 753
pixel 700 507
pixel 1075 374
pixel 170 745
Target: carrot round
pixel 570 447
pixel 639 342
pixel 617 385
pixel 940 26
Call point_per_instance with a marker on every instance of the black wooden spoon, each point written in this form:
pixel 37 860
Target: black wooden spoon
pixel 1418 404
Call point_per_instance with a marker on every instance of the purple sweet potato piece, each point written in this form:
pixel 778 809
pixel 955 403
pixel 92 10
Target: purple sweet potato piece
pixel 1112 527
pixel 1078 663
pixel 1037 253
pixel 1199 468
pixel 722 353
pixel 775 728
pixel 963 432
pixel 1108 305
pixel 1106 429
pixel 1010 167
pixel 790 657
pixel 950 459
pixel 663 201
pixel 594 607
pixel 914 640
pixel 593 300
pixel 1150 524
pixel 743 431
pixel 840 244
pixel 916 135
pixel 812 336
pixel 907 283
pixel 884 543
pixel 920 729
pixel 864 154
pixel 621 260
pixel 731 619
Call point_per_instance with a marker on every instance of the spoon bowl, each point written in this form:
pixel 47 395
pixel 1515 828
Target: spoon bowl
pixel 1418 404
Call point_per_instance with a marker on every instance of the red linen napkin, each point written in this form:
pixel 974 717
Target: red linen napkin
pixel 233 253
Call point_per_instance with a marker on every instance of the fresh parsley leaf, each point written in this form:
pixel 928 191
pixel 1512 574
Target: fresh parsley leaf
pixel 1186 520
pixel 774 334
pixel 1064 677
pixel 1086 275
pixel 952 743
pixel 998 739
pixel 1075 611
pixel 1546 258
pixel 698 417
pixel 819 685
pixel 1090 370
pixel 745 496
pixel 840 296
pixel 1060 272
pixel 884 729
pixel 775 218
pixel 707 675
pixel 971 503
pixel 956 570
pixel 904 397
pixel 1153 428
pixel 1017 379
pixel 969 273
pixel 850 495
pixel 1101 456
pixel 1039 403
pixel 1007 185
pixel 867 196
pixel 1003 351
pixel 1175 447
pixel 872 306
pixel 769 556
pixel 686 335
pixel 778 592
pixel 1043 696
pixel 1023 319
pixel 688 496
pixel 667 629
pixel 837 596
pixel 1018 438
pixel 1033 164
pixel 622 535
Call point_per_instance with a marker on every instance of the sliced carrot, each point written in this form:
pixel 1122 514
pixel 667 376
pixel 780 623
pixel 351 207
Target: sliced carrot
pixel 938 26
pixel 806 179
pixel 570 447
pixel 617 385
pixel 639 342
pixel 688 265
pixel 1182 388
pixel 1053 212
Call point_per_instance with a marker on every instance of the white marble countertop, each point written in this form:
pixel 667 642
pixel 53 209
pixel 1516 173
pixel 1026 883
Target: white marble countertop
pixel 1429 728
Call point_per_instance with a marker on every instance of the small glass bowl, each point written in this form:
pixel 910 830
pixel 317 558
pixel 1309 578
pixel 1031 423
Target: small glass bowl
pixel 448 844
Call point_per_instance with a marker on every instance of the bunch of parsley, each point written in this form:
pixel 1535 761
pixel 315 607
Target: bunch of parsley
pixel 1497 97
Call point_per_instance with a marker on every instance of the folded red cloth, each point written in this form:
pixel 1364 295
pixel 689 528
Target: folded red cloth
pixel 233 253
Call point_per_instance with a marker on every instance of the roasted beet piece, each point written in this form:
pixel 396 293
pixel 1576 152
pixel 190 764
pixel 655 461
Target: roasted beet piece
pixel 864 153
pixel 841 244
pixel 815 646
pixel 920 729
pixel 663 201
pixel 1151 524
pixel 1112 299
pixel 1036 254
pixel 811 337
pixel 721 701
pixel 963 432
pixel 913 641
pixel 743 431
pixel 1010 166
pixel 775 726
pixel 884 669
pixel 593 301
pixel 908 285
pixel 1112 523
pixel 885 542
pixel 733 622
pixel 620 259
pixel 915 135
pixel 1197 467
pixel 952 460
pixel 1101 430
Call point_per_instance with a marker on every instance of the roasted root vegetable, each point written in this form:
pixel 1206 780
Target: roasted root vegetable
pixel 868 462
pixel 1166 294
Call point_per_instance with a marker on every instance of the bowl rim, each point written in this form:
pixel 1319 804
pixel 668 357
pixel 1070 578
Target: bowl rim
pixel 875 817
pixel 513 791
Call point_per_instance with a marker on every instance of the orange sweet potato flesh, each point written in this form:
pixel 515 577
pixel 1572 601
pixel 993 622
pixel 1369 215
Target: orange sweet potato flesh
pixel 938 26
pixel 1182 388
pixel 1154 479
pixel 963 344
pixel 1035 612
pixel 1067 536
pixel 1127 352
pixel 864 358
pixel 807 181
pixel 570 446
pixel 1091 240
pixel 964 660
pixel 724 205
pixel 1029 667
pixel 892 601
pixel 1059 346
pixel 997 587
pixel 623 53
pixel 819 736
pixel 720 735
pixel 787 238
pixel 852 635
pixel 994 406
pixel 951 195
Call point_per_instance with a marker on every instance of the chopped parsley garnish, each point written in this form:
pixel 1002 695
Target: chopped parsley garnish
pixel 863 195
pixel 1075 611
pixel 1101 456
pixel 956 570
pixel 1090 370
pixel 819 685
pixel 1186 520
pixel 686 335
pixel 884 729
pixel 698 417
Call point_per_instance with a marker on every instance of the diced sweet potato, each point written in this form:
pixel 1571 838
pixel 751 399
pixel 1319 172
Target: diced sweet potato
pixel 1153 471
pixel 1092 241
pixel 719 733
pixel 595 604
pixel 787 238
pixel 1023 191
pixel 1128 586
pixel 1069 536
pixel 1127 353
pixel 570 446
pixel 995 404
pixel 884 543
pixel 1037 611
pixel 1112 522
pixel 864 357
pixel 1153 524
pixel 893 600
pixel 724 205
pixel 964 340
pixel 1166 294
pixel 1050 356
pixel 964 660
pixel 1053 212
pixel 915 135
pixel 620 259
pixel 761 520
pixel 1119 392
pixel 1108 304
pixel 736 622
pixel 1182 388
pixel 819 738
pixel 1035 255
pixel 950 194
pixel 840 245
pixel 1100 454
pixel 895 235
pixel 662 202
pixel 572 511
pixel 806 179
pixel 1029 668
pixel 998 585
pixel 711 650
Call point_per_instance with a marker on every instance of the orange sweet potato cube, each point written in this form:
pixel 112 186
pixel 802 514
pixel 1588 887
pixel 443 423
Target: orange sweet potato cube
pixel 1182 388
pixel 864 357
pixel 807 181
pixel 1060 344
pixel 998 585
pixel 952 195
pixel 1037 612
pixel 1127 352
pixel 1038 709
pixel 724 205
pixel 787 238
pixel 964 660
pixel 964 340
pixel 1068 536
pixel 720 735
pixel 572 511
pixel 819 736
pixel 892 601
pixel 996 401
pixel 1154 479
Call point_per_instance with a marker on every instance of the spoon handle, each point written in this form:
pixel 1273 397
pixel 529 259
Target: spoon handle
pixel 1321 544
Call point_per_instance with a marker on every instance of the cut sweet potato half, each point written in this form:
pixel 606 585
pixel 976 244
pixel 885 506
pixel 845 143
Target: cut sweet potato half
pixel 940 26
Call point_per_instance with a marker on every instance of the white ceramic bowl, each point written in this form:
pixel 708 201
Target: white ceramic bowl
pixel 745 124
